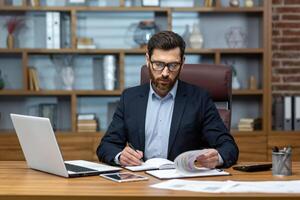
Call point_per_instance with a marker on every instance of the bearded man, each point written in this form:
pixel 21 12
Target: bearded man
pixel 167 116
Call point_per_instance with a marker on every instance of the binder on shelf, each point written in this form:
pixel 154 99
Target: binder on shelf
pixel 297 113
pixel 278 113
pixel 53 30
pixel 287 113
pixel 65 34
pixel 56 30
pixel 49 30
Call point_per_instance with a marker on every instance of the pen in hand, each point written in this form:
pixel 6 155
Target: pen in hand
pixel 132 147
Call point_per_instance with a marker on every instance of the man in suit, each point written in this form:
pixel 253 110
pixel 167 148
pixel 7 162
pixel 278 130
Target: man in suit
pixel 166 117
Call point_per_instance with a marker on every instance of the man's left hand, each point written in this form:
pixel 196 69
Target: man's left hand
pixel 210 159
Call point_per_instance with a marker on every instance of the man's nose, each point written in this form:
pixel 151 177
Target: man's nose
pixel 165 72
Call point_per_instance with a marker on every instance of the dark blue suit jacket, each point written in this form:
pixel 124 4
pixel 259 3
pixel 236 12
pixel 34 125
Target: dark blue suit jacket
pixel 196 124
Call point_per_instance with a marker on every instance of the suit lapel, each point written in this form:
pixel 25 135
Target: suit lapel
pixel 179 106
pixel 141 108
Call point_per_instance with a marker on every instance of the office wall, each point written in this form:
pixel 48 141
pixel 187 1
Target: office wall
pixel 286 46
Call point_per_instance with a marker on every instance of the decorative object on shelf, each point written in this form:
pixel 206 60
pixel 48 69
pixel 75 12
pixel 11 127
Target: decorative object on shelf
pixel 249 3
pixel 234 3
pixel 186 36
pixel 196 38
pixel 67 74
pixel 236 37
pixel 143 32
pixel 13 24
pixel 49 110
pixel 235 81
pixel 150 2
pixel 109 71
pixel 2 83
pixel 64 68
pixel 252 83
pixel 85 43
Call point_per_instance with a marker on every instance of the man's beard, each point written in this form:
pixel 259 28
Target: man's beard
pixel 163 84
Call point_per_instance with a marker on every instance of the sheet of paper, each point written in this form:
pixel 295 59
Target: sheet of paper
pixel 195 186
pixel 173 173
pixel 231 186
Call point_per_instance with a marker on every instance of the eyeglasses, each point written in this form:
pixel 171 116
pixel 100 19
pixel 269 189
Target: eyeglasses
pixel 160 66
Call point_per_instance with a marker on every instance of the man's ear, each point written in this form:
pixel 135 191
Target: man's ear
pixel 147 59
pixel 183 61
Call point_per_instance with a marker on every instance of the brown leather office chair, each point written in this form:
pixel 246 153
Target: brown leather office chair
pixel 216 79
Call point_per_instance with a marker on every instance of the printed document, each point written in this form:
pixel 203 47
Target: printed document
pixel 231 186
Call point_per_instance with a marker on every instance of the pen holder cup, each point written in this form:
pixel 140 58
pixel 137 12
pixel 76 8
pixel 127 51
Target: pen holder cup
pixel 282 163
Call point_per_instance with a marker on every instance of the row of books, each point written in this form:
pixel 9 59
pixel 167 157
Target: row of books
pixel 286 113
pixel 249 124
pixel 87 123
pixel 33 79
pixel 208 3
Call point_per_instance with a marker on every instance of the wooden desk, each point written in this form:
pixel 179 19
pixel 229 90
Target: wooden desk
pixel 19 182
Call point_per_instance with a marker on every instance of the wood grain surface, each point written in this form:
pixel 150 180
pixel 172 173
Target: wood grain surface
pixel 19 182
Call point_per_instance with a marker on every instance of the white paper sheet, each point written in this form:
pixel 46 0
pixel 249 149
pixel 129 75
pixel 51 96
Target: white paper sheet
pixel 231 186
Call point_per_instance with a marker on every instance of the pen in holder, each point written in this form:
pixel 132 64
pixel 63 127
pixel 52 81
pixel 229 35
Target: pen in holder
pixel 282 161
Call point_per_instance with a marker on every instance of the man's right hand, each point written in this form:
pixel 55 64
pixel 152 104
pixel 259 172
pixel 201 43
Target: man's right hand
pixel 130 157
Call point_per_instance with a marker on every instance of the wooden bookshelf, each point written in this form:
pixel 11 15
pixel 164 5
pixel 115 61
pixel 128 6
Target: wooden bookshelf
pixel 253 145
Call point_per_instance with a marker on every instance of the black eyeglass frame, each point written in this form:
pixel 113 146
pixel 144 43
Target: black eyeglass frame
pixel 169 65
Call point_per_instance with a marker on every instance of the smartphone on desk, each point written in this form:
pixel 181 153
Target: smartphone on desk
pixel 124 177
pixel 253 167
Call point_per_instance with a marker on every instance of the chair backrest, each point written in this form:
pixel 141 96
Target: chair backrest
pixel 216 79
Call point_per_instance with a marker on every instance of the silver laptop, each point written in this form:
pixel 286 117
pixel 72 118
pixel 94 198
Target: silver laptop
pixel 42 153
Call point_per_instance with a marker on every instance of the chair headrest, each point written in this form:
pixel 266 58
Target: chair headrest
pixel 216 79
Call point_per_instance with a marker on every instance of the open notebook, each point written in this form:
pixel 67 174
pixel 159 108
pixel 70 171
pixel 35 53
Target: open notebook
pixel 153 163
pixel 183 166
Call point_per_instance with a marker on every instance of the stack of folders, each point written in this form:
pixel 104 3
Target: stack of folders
pixel 33 79
pixel 87 123
pixel 286 113
pixel 249 124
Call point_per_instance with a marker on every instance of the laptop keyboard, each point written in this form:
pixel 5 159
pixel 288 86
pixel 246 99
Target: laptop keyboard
pixel 76 168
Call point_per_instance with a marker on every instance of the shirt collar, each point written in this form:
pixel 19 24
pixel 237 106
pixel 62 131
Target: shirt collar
pixel 171 93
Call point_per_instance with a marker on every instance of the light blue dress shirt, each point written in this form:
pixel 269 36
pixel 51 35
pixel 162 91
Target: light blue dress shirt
pixel 158 122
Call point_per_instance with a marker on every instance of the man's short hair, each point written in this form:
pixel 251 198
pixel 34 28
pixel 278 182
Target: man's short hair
pixel 166 40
